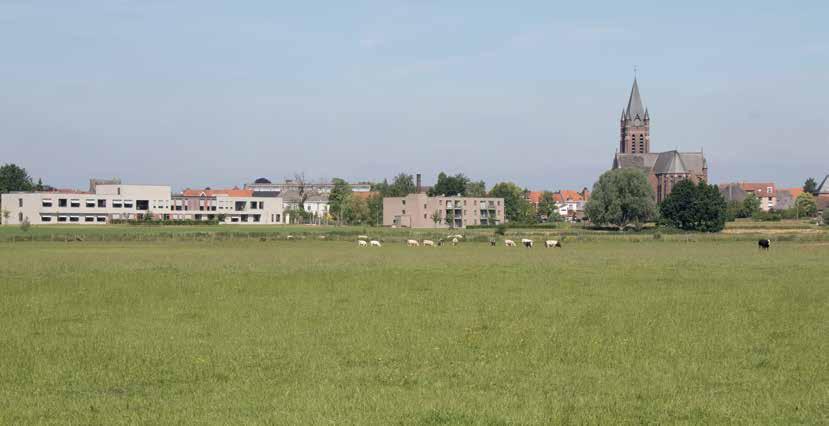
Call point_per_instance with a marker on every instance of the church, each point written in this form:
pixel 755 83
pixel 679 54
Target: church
pixel 664 169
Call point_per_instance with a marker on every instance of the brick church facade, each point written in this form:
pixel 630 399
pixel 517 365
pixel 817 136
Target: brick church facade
pixel 664 169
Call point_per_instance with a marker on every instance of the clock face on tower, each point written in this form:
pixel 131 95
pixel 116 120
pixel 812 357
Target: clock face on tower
pixel 637 122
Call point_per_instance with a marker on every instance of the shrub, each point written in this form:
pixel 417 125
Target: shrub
pixel 25 225
pixel 501 229
pixel 769 216
pixel 825 216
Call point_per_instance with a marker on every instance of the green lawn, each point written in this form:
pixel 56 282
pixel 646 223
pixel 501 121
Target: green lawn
pixel 323 332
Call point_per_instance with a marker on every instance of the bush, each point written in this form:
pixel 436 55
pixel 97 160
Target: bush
pixel 501 229
pixel 25 225
pixel 769 216
pixel 825 216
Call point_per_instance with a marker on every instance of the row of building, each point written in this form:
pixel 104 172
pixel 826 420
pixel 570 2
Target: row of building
pixel 257 203
pixel 771 197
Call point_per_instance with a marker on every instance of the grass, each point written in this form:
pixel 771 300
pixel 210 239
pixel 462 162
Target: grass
pixel 312 332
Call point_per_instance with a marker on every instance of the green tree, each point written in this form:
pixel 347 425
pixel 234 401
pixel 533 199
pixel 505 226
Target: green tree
pixel 810 186
pixel 6 215
pixel 751 205
pixel 375 209
pixel 825 216
pixel 621 197
pixel 340 192
pixel 14 178
pixel 436 217
pixel 355 211
pixel 475 189
pixel 516 207
pixel 449 185
pixel 692 207
pixel 547 208
pixel 401 186
pixel 806 205
pixel 450 218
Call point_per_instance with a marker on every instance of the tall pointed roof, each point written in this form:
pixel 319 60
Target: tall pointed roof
pixel 635 107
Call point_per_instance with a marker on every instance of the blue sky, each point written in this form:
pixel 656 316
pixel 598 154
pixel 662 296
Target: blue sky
pixel 209 93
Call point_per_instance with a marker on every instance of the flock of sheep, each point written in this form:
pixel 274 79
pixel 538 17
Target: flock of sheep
pixel 364 241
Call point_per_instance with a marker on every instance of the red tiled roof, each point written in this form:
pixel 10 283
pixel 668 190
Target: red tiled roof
pixel 759 188
pixel 794 191
pixel 567 194
pixel 534 197
pixel 235 192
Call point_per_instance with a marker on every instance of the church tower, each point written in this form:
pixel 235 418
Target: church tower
pixel 635 125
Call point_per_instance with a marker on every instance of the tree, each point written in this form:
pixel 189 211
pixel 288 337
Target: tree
pixel 692 207
pixel 621 197
pixel 14 178
pixel 475 189
pixel 401 186
pixel 339 194
pixel 449 185
pixel 805 204
pixel 299 180
pixel 6 215
pixel 516 207
pixel 355 211
pixel 751 205
pixel 810 186
pixel 547 207
pixel 450 218
pixel 436 217
pixel 375 209
pixel 825 216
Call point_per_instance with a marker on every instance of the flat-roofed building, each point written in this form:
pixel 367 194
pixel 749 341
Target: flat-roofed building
pixel 135 202
pixel 108 202
pixel 423 211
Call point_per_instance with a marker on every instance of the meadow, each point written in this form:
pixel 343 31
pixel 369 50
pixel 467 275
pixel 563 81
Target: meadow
pixel 245 331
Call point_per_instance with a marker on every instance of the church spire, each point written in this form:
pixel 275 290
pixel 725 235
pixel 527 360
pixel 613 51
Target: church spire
pixel 635 107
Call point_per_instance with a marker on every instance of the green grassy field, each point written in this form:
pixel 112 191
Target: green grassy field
pixel 323 332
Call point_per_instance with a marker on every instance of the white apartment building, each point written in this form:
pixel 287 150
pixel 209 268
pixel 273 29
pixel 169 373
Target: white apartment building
pixel 108 202
pixel 132 202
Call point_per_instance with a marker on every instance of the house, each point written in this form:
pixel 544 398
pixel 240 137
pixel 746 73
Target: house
pixel 571 203
pixel 422 211
pixel 822 198
pixel 787 197
pixel 765 191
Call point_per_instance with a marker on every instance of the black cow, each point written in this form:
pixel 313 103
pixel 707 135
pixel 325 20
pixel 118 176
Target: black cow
pixel 763 244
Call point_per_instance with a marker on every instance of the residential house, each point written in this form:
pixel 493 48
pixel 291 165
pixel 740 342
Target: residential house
pixel 422 211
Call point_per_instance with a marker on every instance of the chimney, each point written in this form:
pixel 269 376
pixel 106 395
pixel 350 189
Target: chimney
pixel 417 188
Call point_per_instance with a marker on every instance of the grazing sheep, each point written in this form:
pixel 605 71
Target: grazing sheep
pixel 509 243
pixel 322 237
pixel 362 237
pixel 492 243
pixel 440 242
pixel 454 241
pixel 413 243
pixel 428 243
pixel 362 243
pixel 375 243
pixel 290 237
pixel 552 243
pixel 527 242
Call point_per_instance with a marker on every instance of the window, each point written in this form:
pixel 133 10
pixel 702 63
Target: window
pixel 142 205
pixel 74 203
pixel 89 203
pixel 119 190
pixel 62 202
pixel 74 219
pixel 89 219
pixel 20 217
pixel 101 219
pixel 116 204
pixel 234 219
pixel 19 202
pixel 62 218
pixel 424 207
pixel 46 218
pixel 404 211
pixel 127 204
pixel 102 204
pixel 424 215
pixel 47 203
